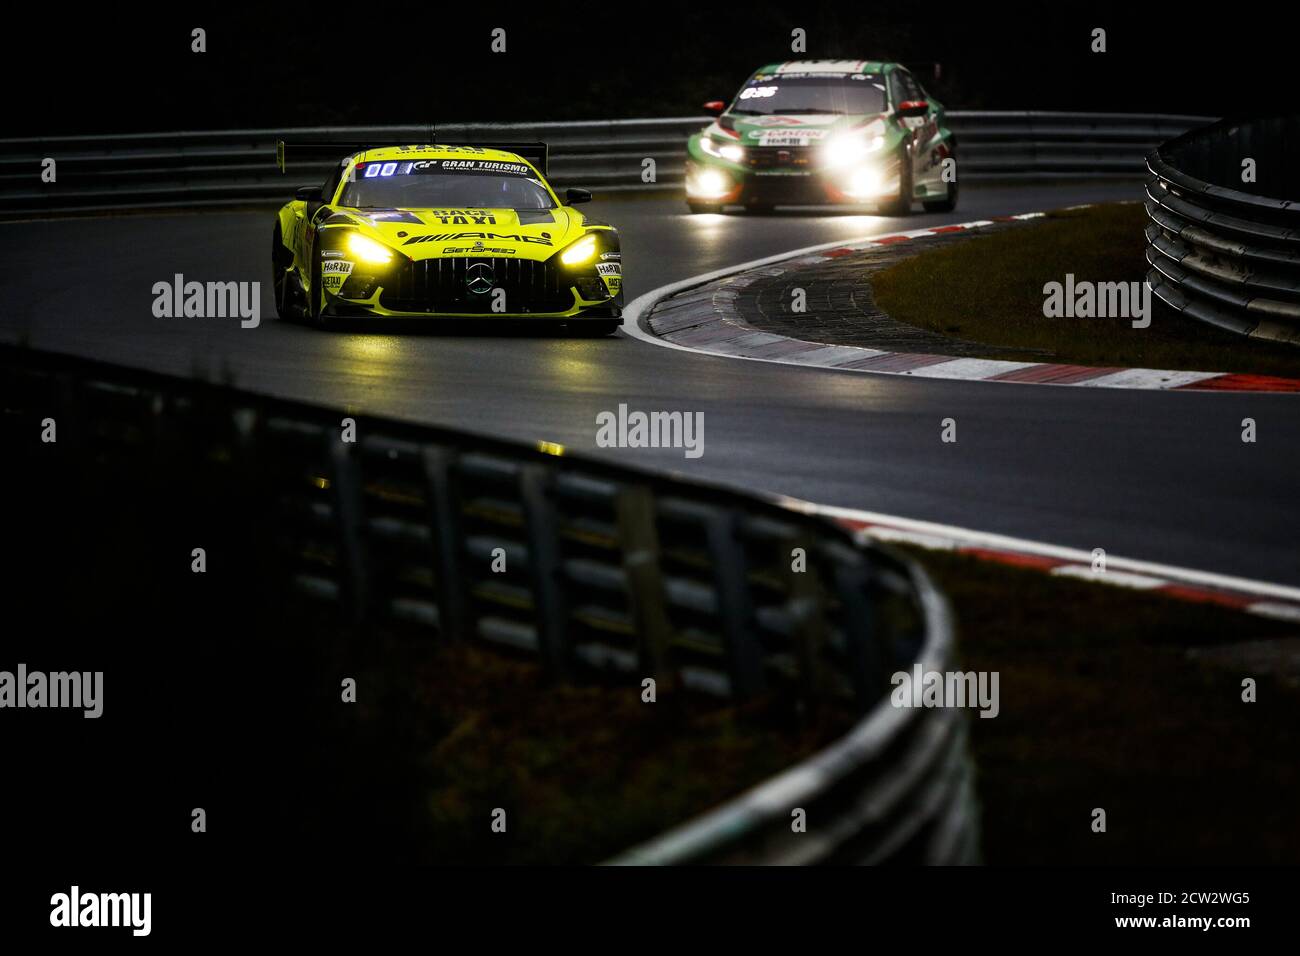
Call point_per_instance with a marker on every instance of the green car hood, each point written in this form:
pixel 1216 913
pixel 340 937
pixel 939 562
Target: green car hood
pixel 802 129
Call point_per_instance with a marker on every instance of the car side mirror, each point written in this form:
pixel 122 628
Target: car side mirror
pixel 715 106
pixel 909 109
pixel 308 193
pixel 574 196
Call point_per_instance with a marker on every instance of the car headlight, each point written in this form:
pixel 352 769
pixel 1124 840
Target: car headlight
pixel 847 148
pixel 728 151
pixel 367 250
pixel 708 183
pixel 584 250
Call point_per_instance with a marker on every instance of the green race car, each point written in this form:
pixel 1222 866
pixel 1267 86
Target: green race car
pixel 811 132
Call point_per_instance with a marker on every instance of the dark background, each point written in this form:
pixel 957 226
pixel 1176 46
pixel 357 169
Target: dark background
pixel 131 69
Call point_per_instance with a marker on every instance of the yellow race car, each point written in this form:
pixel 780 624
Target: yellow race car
pixel 445 232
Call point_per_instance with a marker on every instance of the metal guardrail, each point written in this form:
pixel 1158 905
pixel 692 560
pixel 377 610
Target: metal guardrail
pixel 1222 255
pixel 605 569
pixel 214 169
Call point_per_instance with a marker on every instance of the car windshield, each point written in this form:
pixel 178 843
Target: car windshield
pixel 439 183
pixel 853 93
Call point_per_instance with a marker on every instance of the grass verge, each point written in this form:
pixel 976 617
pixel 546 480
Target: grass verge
pixel 989 289
pixel 1130 702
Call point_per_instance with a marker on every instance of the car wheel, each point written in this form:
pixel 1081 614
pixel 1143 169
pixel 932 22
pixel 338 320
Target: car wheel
pixel 703 206
pixel 315 298
pixel 283 286
pixel 901 205
pixel 759 208
pixel 947 204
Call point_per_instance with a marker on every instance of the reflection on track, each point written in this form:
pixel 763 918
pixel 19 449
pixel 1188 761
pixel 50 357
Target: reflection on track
pixel 1157 476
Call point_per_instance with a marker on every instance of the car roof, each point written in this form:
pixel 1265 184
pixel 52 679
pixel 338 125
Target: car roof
pixel 827 66
pixel 434 151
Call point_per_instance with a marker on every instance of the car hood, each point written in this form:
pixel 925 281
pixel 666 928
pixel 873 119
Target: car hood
pixel 437 233
pixel 802 129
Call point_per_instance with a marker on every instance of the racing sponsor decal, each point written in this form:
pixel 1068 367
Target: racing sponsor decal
pixel 804 137
pixel 475 167
pixel 815 75
pixel 483 166
pixel 608 269
pixel 334 273
pixel 613 256
pixel 542 240
pixel 463 217
pixel 475 250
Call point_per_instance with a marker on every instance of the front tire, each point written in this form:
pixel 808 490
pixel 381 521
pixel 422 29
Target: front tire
pixel 759 208
pixel 282 283
pixel 947 204
pixel 901 205
pixel 316 298
pixel 698 207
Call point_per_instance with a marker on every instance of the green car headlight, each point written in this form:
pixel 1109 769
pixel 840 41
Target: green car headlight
pixel 584 250
pixel 731 152
pixel 848 148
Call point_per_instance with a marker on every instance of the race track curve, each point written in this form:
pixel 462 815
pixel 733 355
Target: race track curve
pixel 1161 476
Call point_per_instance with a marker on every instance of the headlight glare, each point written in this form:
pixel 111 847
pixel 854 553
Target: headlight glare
pixel 731 152
pixel 584 250
pixel 367 250
pixel 849 148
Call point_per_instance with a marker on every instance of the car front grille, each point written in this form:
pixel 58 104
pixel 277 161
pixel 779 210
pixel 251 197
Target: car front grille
pixel 767 157
pixel 443 285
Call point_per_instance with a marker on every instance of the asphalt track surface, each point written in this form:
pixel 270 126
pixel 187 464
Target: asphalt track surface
pixel 1160 476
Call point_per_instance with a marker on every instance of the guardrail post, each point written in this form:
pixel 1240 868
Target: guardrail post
pixel 863 640
pixel 735 608
pixel 546 567
pixel 345 490
pixel 444 525
pixel 806 609
pixel 645 585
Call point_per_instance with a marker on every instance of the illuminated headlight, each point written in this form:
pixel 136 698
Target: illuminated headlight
pixel 584 250
pixel 728 151
pixel 864 182
pixel 846 148
pixel 709 183
pixel 367 250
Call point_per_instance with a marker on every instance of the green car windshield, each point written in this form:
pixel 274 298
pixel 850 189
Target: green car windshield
pixel 855 94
